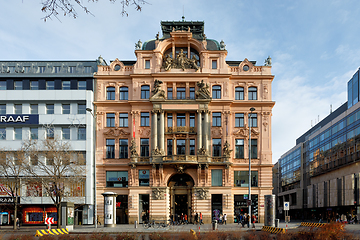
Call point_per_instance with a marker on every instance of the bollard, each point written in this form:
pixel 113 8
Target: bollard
pixel 214 225
pixel 135 224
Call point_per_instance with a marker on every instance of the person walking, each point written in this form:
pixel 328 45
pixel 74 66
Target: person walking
pixel 247 220
pixel 225 218
pixel 242 219
pixel 18 223
pixel 201 218
pixel 253 220
pixel 196 218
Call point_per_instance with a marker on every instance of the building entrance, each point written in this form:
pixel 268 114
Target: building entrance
pixel 181 187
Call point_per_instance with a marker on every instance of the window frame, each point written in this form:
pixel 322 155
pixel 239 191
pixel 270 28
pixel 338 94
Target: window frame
pixel 144 147
pixel 239 119
pixel 110 119
pixel 110 148
pixel 81 133
pixel 50 109
pixel 216 177
pixel 65 110
pixel 216 147
pixel 123 120
pixel 65 134
pixel 239 93
pixel 252 93
pixel 110 93
pixel 123 148
pixel 144 119
pixel 81 109
pixel 124 93
pixel 216 119
pixel 145 92
pixel 239 148
pixel 216 92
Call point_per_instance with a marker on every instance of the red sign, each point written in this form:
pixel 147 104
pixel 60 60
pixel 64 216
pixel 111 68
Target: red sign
pixel 118 204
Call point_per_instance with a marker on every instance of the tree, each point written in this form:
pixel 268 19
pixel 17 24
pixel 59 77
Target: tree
pixel 68 7
pixel 13 166
pixel 60 172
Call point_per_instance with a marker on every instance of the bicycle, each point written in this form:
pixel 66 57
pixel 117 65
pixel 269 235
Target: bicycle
pixel 152 224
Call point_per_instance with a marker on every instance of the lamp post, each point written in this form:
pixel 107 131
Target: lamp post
pixel 94 162
pixel 249 200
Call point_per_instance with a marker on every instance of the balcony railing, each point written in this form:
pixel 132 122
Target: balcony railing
pixel 182 129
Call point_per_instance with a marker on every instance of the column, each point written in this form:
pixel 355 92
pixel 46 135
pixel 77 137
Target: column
pixel 154 130
pixel 199 130
pixel 206 127
pixel 162 132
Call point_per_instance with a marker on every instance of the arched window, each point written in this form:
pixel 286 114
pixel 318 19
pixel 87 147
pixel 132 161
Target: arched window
pixel 252 93
pixel 110 93
pixel 145 92
pixel 124 92
pixel 216 92
pixel 239 93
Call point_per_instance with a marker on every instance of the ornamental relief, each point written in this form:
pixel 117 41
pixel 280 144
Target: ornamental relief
pixel 116 132
pixel 144 131
pixel 158 193
pixel 202 193
pixel 244 132
pixel 216 131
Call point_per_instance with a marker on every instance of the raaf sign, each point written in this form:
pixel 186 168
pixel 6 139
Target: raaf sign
pixel 19 119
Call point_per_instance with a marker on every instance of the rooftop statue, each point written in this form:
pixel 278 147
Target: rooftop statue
pixel 268 61
pixel 138 45
pixel 222 45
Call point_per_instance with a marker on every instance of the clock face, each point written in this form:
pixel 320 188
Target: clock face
pixel 246 68
pixel 117 67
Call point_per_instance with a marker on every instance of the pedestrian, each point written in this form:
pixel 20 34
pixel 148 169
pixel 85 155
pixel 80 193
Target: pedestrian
pixel 242 219
pixel 320 219
pixel 238 218
pixel 18 223
pixel 196 218
pixel 186 218
pixel 253 220
pixel 201 218
pixel 247 220
pixel 225 218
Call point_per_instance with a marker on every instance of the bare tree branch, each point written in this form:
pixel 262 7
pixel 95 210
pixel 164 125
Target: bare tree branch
pixel 52 8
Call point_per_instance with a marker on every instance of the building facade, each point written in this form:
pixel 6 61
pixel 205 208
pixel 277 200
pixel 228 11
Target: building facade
pixel 320 175
pixel 172 129
pixel 51 98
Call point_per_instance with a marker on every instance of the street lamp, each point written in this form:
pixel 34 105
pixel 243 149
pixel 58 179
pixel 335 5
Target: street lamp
pixel 249 200
pixel 94 162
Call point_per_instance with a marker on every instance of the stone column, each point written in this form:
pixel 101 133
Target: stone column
pixel 161 141
pixel 154 130
pixel 199 130
pixel 206 127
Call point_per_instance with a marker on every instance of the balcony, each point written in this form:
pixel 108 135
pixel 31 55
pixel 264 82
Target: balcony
pixel 189 159
pixel 182 129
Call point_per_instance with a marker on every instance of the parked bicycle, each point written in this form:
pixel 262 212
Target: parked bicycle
pixel 156 224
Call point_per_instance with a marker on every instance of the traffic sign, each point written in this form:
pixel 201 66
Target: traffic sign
pixel 286 206
pixel 49 220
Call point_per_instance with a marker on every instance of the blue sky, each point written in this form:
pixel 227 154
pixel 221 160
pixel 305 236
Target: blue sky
pixel 314 45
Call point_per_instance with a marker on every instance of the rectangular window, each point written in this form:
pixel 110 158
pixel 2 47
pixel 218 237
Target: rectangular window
pixel 216 147
pixel 123 148
pixel 239 148
pixel 144 119
pixel 192 120
pixel 34 109
pixel 50 85
pixel 57 69
pixel 87 69
pixel 216 119
pixel 169 120
pixel 214 64
pixel 65 108
pixel 82 85
pixel 34 133
pixel 192 147
pixel 180 147
pixel 65 133
pixel 117 179
pixel 180 93
pixel 2 85
pixel 123 120
pixel 50 133
pixel 2 133
pixel 124 93
pixel 170 93
pixel 180 120
pixel 169 147
pixel 144 177
pixel 18 133
pixel 18 85
pixel 239 93
pixel 239 120
pixel 192 93
pixel 49 108
pixel 81 108
pixel 41 69
pixel 65 85
pixel 82 133
pixel 17 108
pixel 147 64
pixel 144 147
pixel 241 178
pixel 2 108
pixel 110 120
pixel 110 148
pixel 145 92
pixel 254 148
pixel 34 85
pixel 216 92
pixel 72 69
pixel 252 93
pixel 253 120
pixel 216 177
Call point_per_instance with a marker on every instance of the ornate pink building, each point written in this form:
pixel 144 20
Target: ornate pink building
pixel 172 131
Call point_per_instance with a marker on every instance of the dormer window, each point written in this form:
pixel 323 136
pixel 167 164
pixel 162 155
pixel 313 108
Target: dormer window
pixel 147 64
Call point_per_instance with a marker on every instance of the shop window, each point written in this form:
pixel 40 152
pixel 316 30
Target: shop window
pixel 241 178
pixel 116 179
pixel 144 177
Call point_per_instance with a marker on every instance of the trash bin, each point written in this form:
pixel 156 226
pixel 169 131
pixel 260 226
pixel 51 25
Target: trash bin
pixel 135 224
pixel 214 225
pixel 277 222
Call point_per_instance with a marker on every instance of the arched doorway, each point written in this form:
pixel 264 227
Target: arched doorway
pixel 181 187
